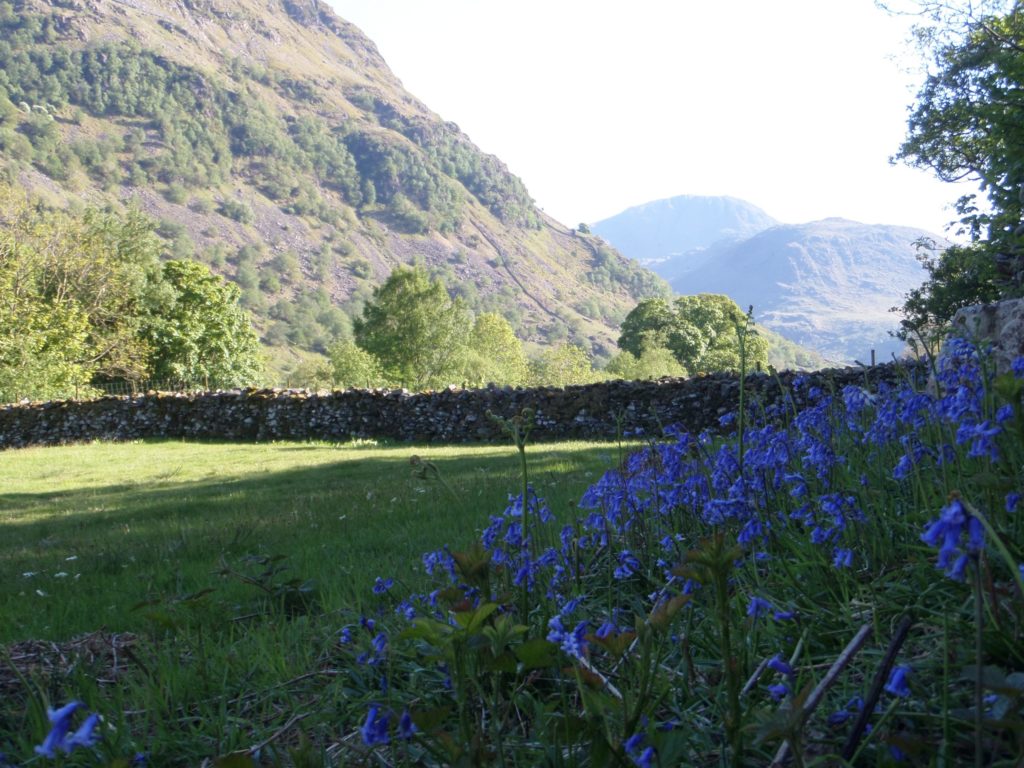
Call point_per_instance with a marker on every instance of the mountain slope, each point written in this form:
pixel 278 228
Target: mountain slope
pixel 656 232
pixel 827 285
pixel 269 138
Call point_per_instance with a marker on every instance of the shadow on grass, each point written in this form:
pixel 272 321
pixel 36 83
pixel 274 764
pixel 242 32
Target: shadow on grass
pixel 94 552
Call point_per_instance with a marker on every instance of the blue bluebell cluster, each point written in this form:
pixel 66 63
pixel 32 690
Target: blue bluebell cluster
pixel 621 558
pixel 61 738
pixel 376 728
pixel 946 533
pixel 639 755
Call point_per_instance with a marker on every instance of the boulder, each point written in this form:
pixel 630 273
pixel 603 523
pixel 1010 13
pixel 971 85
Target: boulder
pixel 1000 324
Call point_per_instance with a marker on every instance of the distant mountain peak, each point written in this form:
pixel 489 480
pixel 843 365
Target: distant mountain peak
pixel 826 284
pixel 654 232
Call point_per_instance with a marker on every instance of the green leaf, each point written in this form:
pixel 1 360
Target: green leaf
pixel 428 720
pixel 472 621
pixel 434 632
pixel 536 654
pixel 235 760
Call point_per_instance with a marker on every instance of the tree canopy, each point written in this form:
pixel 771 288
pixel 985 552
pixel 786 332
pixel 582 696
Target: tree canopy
pixel 702 332
pixel 562 366
pixel 85 300
pixel 967 123
pixel 415 329
pixel 495 354
pixel 200 335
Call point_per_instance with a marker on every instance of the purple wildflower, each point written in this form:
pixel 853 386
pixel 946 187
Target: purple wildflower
pixel 758 607
pixel 406 727
pixel 375 729
pixel 60 724
pixel 897 685
pixel 778 692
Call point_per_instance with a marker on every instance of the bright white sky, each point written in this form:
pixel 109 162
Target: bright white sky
pixel 599 105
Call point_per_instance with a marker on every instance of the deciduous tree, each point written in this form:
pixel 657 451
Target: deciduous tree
pixel 495 353
pixel 201 336
pixel 352 366
pixel 415 329
pixel 562 366
pixel 967 123
pixel 702 332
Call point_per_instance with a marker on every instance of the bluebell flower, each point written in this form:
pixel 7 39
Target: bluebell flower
pixel 853 706
pixel 1004 414
pixel 628 565
pixel 758 607
pixel 634 742
pixel 778 691
pixel 375 729
pixel 856 400
pixel 838 718
pixel 959 568
pixel 642 758
pixel 646 758
pixel 605 629
pixel 777 664
pixel 524 576
pixel 86 734
pixel 548 557
pixel 439 560
pixel 60 725
pixel 571 605
pixel 983 443
pixel 406 727
pixel 573 643
pixel 380 586
pixel 345 638
pixel 406 610
pixel 903 468
pixel 753 530
pixel 897 684
pixel 843 558
pixel 1012 500
pixel 1017 366
pixel 946 532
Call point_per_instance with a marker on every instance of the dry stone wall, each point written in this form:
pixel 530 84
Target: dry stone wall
pixel 455 415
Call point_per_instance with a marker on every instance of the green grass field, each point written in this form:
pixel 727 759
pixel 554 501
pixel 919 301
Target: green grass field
pixel 91 531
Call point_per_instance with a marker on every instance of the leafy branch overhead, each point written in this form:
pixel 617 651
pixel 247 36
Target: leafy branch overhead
pixel 966 125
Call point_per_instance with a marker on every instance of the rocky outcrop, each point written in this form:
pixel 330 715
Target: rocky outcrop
pixel 449 416
pixel 1000 324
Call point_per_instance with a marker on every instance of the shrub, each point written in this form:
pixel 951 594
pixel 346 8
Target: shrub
pixel 237 211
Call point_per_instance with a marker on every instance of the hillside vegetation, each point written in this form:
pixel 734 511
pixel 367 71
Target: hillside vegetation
pixel 272 142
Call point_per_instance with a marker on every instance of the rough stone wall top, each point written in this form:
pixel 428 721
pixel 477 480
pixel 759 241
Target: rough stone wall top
pixel 1001 323
pixel 596 411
